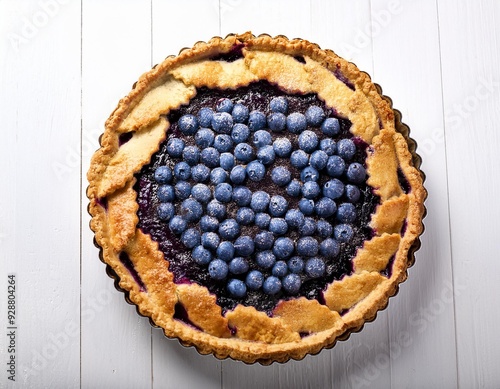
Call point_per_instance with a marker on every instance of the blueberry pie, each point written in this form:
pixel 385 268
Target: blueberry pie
pixel 256 197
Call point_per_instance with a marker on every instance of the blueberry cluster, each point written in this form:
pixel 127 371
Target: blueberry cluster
pixel 213 194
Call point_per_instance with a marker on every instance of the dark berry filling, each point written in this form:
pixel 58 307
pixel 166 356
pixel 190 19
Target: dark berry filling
pixel 257 195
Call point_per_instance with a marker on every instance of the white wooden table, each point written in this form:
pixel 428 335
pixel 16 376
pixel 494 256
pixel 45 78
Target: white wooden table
pixel 63 67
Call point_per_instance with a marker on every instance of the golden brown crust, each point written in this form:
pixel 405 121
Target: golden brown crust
pixel 245 333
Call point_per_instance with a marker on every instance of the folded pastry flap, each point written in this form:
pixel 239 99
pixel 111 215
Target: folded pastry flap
pixel 202 309
pixel 390 215
pixel 382 166
pixel 152 267
pixel 318 317
pixel 251 324
pixel 131 156
pixel 376 253
pixel 158 101
pixel 348 291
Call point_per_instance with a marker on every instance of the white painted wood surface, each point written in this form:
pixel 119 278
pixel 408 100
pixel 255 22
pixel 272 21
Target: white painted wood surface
pixel 63 67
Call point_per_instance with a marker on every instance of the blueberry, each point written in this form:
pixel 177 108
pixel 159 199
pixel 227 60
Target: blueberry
pixel 182 190
pixel 200 173
pixel 329 248
pixel 296 123
pixel 191 238
pixel 264 240
pixel 307 246
pixel 346 213
pixel 201 255
pixel 346 149
pixel 324 228
pixel 325 207
pixel 266 155
pixel 295 265
pixel 210 240
pixel 256 171
pixel 278 226
pixel 245 216
pixel 260 201
pixel 191 210
pixel 310 190
pixel 205 116
pixel 335 166
pixel 307 228
pixel 281 176
pixel 165 211
pixel 282 147
pixel 299 159
pixel 165 193
pixel 238 265
pixel 352 193
pixel 309 174
pixel 276 121
pixel 209 224
pixel 218 176
pixel 278 206
pixel 163 175
pixel 315 267
pixel 356 173
pixel 265 259
pixel 204 138
pixel 262 138
pixel 238 174
pixel 223 192
pixel 210 157
pixel 318 159
pixel 224 105
pixel 240 133
pixel 175 147
pixel 188 124
pixel 306 206
pixel 240 113
pixel 256 120
pixel 254 280
pixel 280 269
pixel 308 141
pixel 294 218
pixel 279 104
pixel 328 146
pixel 225 251
pixel 236 288
pixel 330 127
pixel 202 193
pixel 315 116
pixel 343 232
pixel 182 171
pixel 222 123
pixel 244 246
pixel 223 143
pixel 216 209
pixel 262 220
pixel 294 188
pixel 218 269
pixel 242 196
pixel 229 229
pixel 244 152
pixel 283 248
pixel 226 161
pixel 272 285
pixel 333 189
pixel 292 283
pixel 178 225
pixel 191 155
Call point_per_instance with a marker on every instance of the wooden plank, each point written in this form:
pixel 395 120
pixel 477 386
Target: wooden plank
pixel 116 50
pixel 469 34
pixel 40 239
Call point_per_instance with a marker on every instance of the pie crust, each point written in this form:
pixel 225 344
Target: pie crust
pixel 295 66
